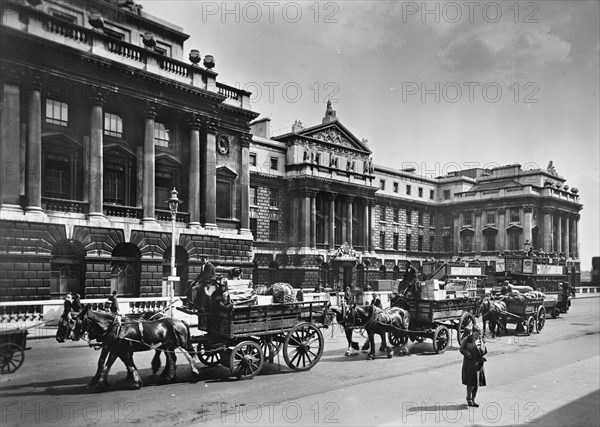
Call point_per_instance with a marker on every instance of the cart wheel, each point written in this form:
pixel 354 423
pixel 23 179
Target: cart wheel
pixel 11 358
pixel 541 319
pixel 397 338
pixel 270 347
pixel 246 359
pixel 530 325
pixel 441 338
pixel 555 311
pixel 209 359
pixel 303 346
pixel 465 323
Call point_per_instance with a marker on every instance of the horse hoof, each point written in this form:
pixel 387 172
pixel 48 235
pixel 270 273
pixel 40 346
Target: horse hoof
pixel 370 357
pixel 93 382
pixel 382 349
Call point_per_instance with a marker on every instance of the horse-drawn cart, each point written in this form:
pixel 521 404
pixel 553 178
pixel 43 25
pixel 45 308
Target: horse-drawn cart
pixel 245 337
pixel 434 319
pixel 528 314
pixel 12 349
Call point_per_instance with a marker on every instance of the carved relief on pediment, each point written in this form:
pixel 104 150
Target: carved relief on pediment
pixel 332 136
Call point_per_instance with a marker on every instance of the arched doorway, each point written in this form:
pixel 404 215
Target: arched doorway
pixel 67 268
pixel 125 270
pixel 181 265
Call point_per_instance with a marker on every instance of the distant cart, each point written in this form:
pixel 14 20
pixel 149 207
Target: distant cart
pixel 529 315
pixel 12 349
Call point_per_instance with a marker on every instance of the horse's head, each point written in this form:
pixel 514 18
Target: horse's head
pixel 66 324
pixel 328 314
pixel 484 308
pixel 357 315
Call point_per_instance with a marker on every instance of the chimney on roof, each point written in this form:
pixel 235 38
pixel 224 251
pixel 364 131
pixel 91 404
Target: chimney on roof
pixel 261 127
pixel 329 114
pixel 297 126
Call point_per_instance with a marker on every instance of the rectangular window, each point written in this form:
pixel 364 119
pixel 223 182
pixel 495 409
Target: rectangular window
pixel 381 213
pixel 396 241
pixel 163 184
pixel 273 231
pixel 408 216
pixel 467 242
pixel 448 220
pixel 396 215
pixel 514 243
pixel 432 244
pixel 489 242
pixel 253 227
pixel 113 125
pixel 163 48
pixel 252 159
pixel 162 136
pixel 274 163
pixel 224 199
pixel 431 194
pixel 490 217
pixel 420 218
pixel 382 184
pixel 274 198
pixel 420 191
pixel 382 239
pixel 57 112
pixel 514 215
pixel 395 187
pixel 57 177
pixel 446 194
pixel 253 196
pixel 431 222
pixel 114 184
pixel 467 218
pixel 447 242
pixel 420 243
pixel 408 189
pixel 408 242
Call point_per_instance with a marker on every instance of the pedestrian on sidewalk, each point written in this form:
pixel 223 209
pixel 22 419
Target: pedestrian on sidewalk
pixel 113 303
pixel 473 375
pixel 68 305
pixel 76 303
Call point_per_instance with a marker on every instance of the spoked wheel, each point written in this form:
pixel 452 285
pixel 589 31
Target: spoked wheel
pixel 530 325
pixel 397 338
pixel 11 358
pixel 303 347
pixel 541 319
pixel 465 324
pixel 246 359
pixel 209 359
pixel 441 338
pixel 270 347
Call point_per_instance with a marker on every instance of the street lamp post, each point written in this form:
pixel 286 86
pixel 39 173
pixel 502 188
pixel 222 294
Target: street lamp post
pixel 173 203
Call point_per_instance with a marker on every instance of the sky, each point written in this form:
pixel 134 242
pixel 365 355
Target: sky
pixel 430 84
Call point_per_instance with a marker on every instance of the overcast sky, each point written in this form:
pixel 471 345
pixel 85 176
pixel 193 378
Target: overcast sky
pixel 428 84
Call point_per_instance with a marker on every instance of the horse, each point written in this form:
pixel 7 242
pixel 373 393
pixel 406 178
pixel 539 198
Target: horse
pixel 492 312
pixel 341 318
pixel 123 339
pixel 375 320
pixel 65 330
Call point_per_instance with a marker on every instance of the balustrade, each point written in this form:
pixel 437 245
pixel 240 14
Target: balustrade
pixel 63 205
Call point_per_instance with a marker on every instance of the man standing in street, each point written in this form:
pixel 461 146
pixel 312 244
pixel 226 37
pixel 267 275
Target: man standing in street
pixel 376 301
pixel 113 303
pixel 205 278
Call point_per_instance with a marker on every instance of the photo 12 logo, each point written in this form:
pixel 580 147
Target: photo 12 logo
pixel 291 92
pixel 454 12
pixel 453 92
pixel 271 12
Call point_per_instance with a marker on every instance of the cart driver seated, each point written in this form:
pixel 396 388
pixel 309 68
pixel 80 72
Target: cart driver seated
pixel 408 284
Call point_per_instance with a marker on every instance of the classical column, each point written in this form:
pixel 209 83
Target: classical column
pixel 96 182
pixel 194 124
pixel 246 139
pixel 313 219
pixel 305 222
pixel 366 227
pixel 501 230
pixel 576 227
pixel 559 231
pixel 349 201
pixel 371 241
pixel 332 197
pixel 456 238
pixel 547 230
pixel 34 146
pixel 527 225
pixel 344 216
pixel 209 172
pixel 567 247
pixel 572 236
pixel 148 187
pixel 478 233
pixel 10 141
pixel 295 219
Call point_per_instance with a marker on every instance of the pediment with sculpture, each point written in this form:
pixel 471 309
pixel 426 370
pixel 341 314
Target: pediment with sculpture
pixel 336 134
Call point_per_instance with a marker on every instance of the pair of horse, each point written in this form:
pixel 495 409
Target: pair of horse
pixel 493 313
pixel 375 321
pixel 121 336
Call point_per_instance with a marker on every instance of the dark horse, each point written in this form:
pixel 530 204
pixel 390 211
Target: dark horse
pixel 373 320
pixel 67 324
pixel 123 339
pixel 493 312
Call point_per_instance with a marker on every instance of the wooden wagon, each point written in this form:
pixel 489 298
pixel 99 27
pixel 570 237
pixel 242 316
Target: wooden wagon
pixel 12 349
pixel 434 319
pixel 244 338
pixel 528 314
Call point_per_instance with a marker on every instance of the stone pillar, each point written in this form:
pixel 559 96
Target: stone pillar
pixel 209 173
pixel 148 186
pixel 305 227
pixel 371 226
pixel 547 230
pixel 567 245
pixel 344 215
pixel 501 230
pixel 295 219
pixel 478 237
pixel 313 219
pixel 527 225
pixel 572 236
pixel 349 201
pixel 576 229
pixel 10 142
pixel 194 124
pixel 332 197
pixel 366 227
pixel 96 190
pixel 559 231
pixel 456 238
pixel 33 176
pixel 246 139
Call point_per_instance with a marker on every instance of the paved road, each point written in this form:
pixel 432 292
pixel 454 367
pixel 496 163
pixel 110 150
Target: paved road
pixel 548 379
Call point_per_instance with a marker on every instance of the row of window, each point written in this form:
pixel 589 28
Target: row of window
pixel 273 197
pixel 396 216
pixel 489 242
pixel 408 189
pixel 490 217
pixel 57 113
pixel 273 229
pixel 408 242
pixel 274 161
